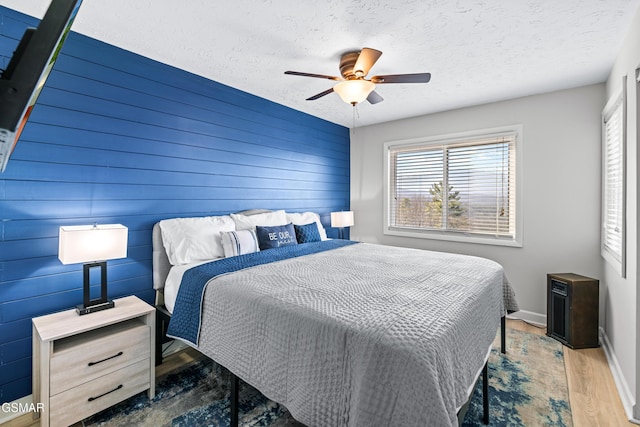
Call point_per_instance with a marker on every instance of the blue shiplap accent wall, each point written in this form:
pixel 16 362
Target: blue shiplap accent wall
pixel 119 138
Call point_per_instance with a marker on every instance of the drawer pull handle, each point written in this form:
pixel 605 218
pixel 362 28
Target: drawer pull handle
pixel 104 360
pixel 91 399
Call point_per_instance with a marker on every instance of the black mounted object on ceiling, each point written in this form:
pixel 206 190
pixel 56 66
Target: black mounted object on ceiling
pixel 353 88
pixel 28 69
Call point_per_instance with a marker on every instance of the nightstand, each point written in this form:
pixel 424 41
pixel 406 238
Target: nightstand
pixel 84 364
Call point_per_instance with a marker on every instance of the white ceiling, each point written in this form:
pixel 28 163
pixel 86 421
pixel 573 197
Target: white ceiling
pixel 477 51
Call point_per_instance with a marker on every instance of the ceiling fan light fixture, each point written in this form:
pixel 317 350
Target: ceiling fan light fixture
pixel 354 91
pixel 353 88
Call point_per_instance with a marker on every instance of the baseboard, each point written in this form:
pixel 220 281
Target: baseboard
pixel 621 384
pixel 529 316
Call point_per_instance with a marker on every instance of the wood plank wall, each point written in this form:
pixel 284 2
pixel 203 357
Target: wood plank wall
pixel 119 138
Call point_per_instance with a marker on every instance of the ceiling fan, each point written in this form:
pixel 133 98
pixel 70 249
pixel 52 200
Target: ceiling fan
pixel 353 88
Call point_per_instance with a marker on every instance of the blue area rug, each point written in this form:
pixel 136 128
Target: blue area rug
pixel 527 387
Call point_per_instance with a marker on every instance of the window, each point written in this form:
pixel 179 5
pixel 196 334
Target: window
pixel 613 240
pixel 459 187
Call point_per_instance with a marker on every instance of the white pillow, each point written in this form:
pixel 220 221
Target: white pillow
pixel 249 222
pixel 307 218
pixel 239 242
pixel 189 240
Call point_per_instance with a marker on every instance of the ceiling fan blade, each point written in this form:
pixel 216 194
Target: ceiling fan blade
pixel 374 97
pixel 321 76
pixel 320 95
pixel 365 61
pixel 402 78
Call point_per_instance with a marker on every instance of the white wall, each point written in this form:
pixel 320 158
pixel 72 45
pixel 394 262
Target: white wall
pixel 622 323
pixel 561 173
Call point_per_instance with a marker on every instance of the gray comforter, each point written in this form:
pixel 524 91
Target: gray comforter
pixel 364 335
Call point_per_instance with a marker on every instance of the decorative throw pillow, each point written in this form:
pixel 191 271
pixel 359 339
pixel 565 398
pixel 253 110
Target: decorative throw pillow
pixel 307 233
pixel 239 242
pixel 276 236
pixel 305 218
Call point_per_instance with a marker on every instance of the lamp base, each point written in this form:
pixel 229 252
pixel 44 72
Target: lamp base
pixel 98 304
pixel 81 309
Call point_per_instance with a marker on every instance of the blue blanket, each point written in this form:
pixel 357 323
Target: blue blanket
pixel 186 318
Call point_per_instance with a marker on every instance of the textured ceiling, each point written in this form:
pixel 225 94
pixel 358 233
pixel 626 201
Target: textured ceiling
pixel 477 51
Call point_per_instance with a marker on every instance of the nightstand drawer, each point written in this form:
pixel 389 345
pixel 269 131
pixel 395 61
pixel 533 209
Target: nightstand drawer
pixel 84 357
pixel 78 403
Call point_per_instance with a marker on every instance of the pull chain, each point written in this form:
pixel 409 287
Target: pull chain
pixel 356 113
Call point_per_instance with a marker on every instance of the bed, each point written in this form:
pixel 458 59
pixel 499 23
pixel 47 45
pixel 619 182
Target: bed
pixel 341 333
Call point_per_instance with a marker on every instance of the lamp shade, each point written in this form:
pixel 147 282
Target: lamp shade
pixel 342 219
pixel 354 91
pixel 88 243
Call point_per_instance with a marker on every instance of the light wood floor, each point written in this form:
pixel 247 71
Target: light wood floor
pixel 593 395
pixel 592 392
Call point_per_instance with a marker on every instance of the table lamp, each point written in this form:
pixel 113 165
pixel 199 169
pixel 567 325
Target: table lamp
pixel 92 245
pixel 340 220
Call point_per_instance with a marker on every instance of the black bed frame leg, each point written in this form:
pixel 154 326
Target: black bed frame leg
pixel 162 323
pixel 235 389
pixel 503 334
pixel 485 393
pixel 160 337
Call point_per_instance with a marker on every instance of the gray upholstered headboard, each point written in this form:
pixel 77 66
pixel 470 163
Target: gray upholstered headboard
pixel 161 265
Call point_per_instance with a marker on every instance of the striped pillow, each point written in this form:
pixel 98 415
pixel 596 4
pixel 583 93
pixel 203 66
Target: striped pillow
pixel 239 242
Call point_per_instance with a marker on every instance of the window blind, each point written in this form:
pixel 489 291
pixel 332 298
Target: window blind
pixel 613 174
pixel 463 186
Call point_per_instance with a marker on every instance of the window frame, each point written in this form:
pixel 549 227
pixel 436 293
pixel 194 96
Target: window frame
pixel 619 100
pixel 450 235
